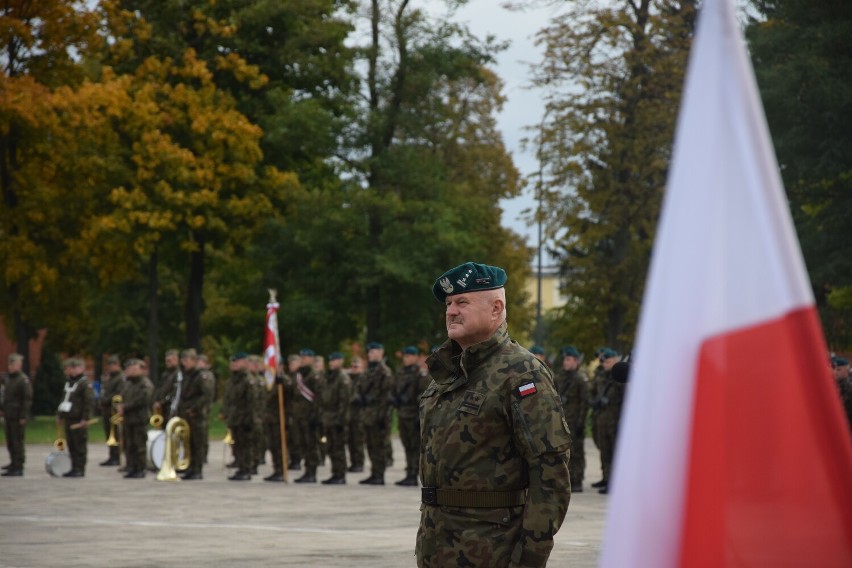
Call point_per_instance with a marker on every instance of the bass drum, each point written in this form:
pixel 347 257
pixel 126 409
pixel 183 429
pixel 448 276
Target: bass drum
pixel 156 449
pixel 57 463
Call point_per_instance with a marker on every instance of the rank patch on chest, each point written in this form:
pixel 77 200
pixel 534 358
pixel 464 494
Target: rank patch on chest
pixel 526 390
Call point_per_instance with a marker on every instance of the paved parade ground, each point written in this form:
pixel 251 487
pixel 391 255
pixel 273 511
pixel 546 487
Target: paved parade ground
pixel 103 520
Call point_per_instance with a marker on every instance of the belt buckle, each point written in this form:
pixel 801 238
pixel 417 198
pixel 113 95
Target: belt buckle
pixel 429 495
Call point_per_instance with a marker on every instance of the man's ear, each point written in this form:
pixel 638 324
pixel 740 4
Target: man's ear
pixel 497 307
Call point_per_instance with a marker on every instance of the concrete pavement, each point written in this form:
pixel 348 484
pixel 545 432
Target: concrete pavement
pixel 103 520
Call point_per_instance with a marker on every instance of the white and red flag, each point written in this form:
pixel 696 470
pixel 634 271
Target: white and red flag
pixel 733 450
pixel 271 349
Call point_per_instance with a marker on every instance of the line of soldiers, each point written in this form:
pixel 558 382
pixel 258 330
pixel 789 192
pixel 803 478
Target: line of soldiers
pixel 327 412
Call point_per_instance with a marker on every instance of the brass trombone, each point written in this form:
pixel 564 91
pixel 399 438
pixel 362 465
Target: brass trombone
pixel 177 434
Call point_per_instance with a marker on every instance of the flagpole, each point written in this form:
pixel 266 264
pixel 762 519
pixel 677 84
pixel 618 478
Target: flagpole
pixel 272 356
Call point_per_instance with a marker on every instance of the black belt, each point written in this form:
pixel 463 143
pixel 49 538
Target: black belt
pixel 453 498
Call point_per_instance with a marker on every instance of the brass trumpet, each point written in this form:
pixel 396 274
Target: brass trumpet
pixel 177 434
pixel 156 421
pixel 229 438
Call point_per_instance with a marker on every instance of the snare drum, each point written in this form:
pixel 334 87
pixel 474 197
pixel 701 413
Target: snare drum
pixel 156 449
pixel 57 463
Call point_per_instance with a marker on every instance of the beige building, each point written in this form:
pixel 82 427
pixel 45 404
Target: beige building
pixel 551 296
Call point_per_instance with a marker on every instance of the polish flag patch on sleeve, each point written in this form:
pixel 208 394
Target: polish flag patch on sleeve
pixel 526 389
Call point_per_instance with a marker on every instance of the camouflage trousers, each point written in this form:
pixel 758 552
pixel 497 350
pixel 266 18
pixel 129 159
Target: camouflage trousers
pixel 273 444
pixel 336 447
pixel 449 537
pixel 294 454
pixel 409 434
pixel 307 442
pixel 258 440
pixel 577 461
pixel 607 431
pixel 356 439
pixel 243 447
pixel 377 434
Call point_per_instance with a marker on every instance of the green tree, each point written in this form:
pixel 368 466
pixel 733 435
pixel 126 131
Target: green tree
pixel 37 40
pixel 803 62
pixel 612 76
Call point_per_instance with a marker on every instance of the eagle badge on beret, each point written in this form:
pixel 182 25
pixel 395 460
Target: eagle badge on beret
pixel 446 285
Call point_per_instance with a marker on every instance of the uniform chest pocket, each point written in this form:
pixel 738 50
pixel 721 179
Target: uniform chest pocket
pixel 471 402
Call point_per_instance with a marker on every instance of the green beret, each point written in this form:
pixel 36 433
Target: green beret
pixel 335 355
pixel 468 277
pixel 839 361
pixel 608 353
pixel 537 350
pixel 410 350
pixel 374 345
pixel 570 351
pixel 307 352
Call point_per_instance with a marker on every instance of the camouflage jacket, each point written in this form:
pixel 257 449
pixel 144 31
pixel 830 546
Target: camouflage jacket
pixel 573 390
pixel 491 420
pixel 18 397
pixel 258 380
pixel 411 381
pixel 195 395
pixel 240 407
pixel 610 399
pixel 307 388
pixel 335 398
pixel 82 400
pixel 137 395
pixel 374 394
pixel 112 386
pixel 165 390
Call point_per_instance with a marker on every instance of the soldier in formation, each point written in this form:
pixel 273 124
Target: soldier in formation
pixel 112 388
pixel 356 442
pixel 608 404
pixel 306 417
pixel 410 383
pixel 272 424
pixel 374 400
pixel 495 444
pixel 17 401
pixel 238 411
pixel 74 412
pixel 135 410
pixel 193 406
pixel 335 401
pixel 572 386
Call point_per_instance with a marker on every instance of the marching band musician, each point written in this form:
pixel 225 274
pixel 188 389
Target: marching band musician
pixel 193 406
pixel 112 384
pixel 135 410
pixel 17 400
pixel 74 411
pixel 238 413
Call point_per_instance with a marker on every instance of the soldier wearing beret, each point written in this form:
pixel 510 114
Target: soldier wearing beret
pixel 112 385
pixel 239 416
pixel 411 381
pixel 307 421
pixel 356 440
pixel 608 404
pixel 294 452
pixel 495 444
pixel 135 410
pixel 17 400
pixel 335 401
pixel 257 377
pixel 375 401
pixel 74 412
pixel 572 385
pixel 840 369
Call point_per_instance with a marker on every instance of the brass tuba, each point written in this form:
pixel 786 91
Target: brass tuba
pixel 177 435
pixel 115 420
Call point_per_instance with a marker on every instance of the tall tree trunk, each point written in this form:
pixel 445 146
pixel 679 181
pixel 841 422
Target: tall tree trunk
pixel 194 294
pixel 153 316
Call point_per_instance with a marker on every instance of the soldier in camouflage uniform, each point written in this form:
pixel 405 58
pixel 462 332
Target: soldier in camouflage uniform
pixel 294 453
pixel 239 416
pixel 494 459
pixel 194 407
pixel 17 401
pixel 74 412
pixel 335 401
pixel 410 383
pixel 356 441
pixel 306 417
pixel 375 401
pixel 135 410
pixel 840 369
pixel 204 365
pixel 608 404
pixel 112 385
pixel 596 385
pixel 572 386
pixel 272 424
pixel 257 376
